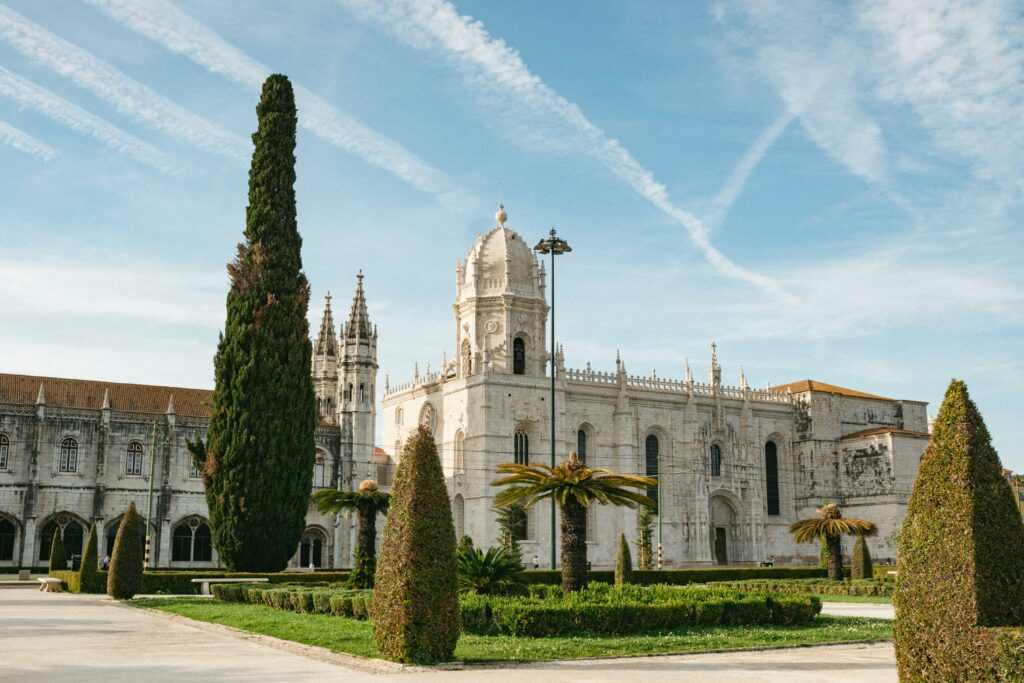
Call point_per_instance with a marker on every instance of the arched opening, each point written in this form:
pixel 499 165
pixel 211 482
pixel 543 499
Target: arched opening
pixel 581 445
pixel 522 448
pixel 771 477
pixel 311 549
pixel 71 532
pixel 319 473
pixel 5 449
pixel 459 515
pixel 518 356
pixel 362 394
pixel 652 451
pixel 191 541
pixel 68 455
pixel 8 534
pixel 716 460
pixel 723 528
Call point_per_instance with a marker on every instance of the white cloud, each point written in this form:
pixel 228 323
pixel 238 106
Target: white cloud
pixel 22 141
pixel 127 96
pixel 435 25
pixel 164 23
pixel 30 95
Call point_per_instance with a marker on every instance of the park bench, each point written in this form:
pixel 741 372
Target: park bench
pixel 204 588
pixel 49 584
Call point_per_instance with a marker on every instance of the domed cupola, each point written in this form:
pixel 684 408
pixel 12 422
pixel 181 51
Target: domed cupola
pixel 499 299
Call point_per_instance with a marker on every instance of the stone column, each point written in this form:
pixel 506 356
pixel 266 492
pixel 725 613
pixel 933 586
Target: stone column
pixel 28 543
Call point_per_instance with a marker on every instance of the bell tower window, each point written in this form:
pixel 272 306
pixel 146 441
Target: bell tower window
pixel 518 356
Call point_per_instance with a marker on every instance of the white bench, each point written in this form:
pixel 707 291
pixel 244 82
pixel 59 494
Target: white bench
pixel 49 584
pixel 204 588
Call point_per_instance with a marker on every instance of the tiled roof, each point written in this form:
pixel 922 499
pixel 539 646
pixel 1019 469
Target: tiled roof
pixel 886 430
pixel 813 385
pixel 88 394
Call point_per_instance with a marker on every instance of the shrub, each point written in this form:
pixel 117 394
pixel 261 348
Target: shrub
pixel 341 605
pixel 494 572
pixel 684 576
pixel 867 587
pixel 465 545
pixel 58 558
pixel 322 602
pixel 89 574
pixel 416 604
pixel 960 557
pixel 623 563
pixel 124 579
pixel 860 563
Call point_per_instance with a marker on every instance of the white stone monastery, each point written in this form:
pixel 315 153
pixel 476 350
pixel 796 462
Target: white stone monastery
pixel 735 466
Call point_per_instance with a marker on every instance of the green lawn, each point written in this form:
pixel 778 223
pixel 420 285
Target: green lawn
pixel 356 637
pixel 873 599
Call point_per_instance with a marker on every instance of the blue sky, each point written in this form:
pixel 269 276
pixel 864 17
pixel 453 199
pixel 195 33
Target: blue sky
pixel 829 190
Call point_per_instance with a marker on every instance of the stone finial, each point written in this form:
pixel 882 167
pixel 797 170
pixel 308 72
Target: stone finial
pixel 501 216
pixel 41 397
pixel 743 380
pixel 689 375
pixel 106 399
pixel 715 371
pixel 170 405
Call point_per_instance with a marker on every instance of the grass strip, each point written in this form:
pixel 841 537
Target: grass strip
pixel 356 637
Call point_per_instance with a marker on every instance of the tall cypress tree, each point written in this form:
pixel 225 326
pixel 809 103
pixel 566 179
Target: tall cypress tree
pixel 258 459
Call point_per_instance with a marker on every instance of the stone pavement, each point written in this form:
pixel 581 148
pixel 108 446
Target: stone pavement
pixel 859 609
pixel 63 637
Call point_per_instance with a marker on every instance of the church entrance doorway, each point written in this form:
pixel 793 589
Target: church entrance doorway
pixel 721 547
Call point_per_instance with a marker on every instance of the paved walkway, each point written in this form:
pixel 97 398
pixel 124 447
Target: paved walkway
pixel 859 609
pixel 62 637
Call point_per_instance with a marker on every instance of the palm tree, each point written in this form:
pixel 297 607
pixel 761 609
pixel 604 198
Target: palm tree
pixel 574 487
pixel 830 527
pixel 367 502
pixel 494 572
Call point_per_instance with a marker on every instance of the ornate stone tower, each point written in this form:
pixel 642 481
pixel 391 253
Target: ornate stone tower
pixel 325 368
pixel 500 309
pixel 357 383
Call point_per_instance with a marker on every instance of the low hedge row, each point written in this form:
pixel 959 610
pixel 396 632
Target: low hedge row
pixel 629 612
pixel 354 604
pixel 180 583
pixel 679 577
pixel 867 587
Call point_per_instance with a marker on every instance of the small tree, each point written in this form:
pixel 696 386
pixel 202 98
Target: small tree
pixel 89 574
pixel 512 525
pixel 124 579
pixel 623 563
pixel 831 526
pixel 58 558
pixel 644 540
pixel 860 562
pixel 465 545
pixel 368 502
pixel 415 597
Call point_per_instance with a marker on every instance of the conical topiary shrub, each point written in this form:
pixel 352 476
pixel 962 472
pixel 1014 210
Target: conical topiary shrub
pixel 623 563
pixel 124 579
pixel 960 563
pixel 860 561
pixel 415 596
pixel 89 574
pixel 58 558
pixel 465 544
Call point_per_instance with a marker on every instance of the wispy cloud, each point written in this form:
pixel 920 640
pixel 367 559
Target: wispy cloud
pixel 725 198
pixel 435 25
pixel 22 141
pixel 166 24
pixel 54 107
pixel 126 95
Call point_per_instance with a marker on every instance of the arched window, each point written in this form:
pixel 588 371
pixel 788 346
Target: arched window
pixel 460 453
pixel 581 445
pixel 771 477
pixel 70 531
pixel 330 407
pixel 459 515
pixel 652 450
pixel 522 448
pixel 362 393
pixel 318 473
pixel 193 471
pixel 716 460
pixel 5 447
pixel 69 455
pixel 398 417
pixel 133 461
pixel 311 550
pixel 191 542
pixel 518 356
pixel 348 392
pixel 7 534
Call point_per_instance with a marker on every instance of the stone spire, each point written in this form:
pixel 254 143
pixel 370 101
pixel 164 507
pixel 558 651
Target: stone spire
pixel 106 399
pixel 689 375
pixel 326 341
pixel 41 398
pixel 358 326
pixel 743 380
pixel 715 371
pixel 170 405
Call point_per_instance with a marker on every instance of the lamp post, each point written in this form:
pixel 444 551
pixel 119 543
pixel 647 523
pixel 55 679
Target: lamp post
pixel 150 524
pixel 555 246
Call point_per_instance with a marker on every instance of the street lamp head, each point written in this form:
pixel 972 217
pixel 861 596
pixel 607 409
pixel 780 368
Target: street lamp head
pixel 552 245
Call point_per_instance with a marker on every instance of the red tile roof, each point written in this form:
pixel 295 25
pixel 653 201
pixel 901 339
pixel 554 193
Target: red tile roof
pixel 61 392
pixel 805 385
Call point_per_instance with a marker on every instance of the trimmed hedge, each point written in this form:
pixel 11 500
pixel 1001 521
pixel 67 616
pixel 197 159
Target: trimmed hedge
pixel 180 582
pixel 869 587
pixel 630 610
pixel 682 577
pixel 305 599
